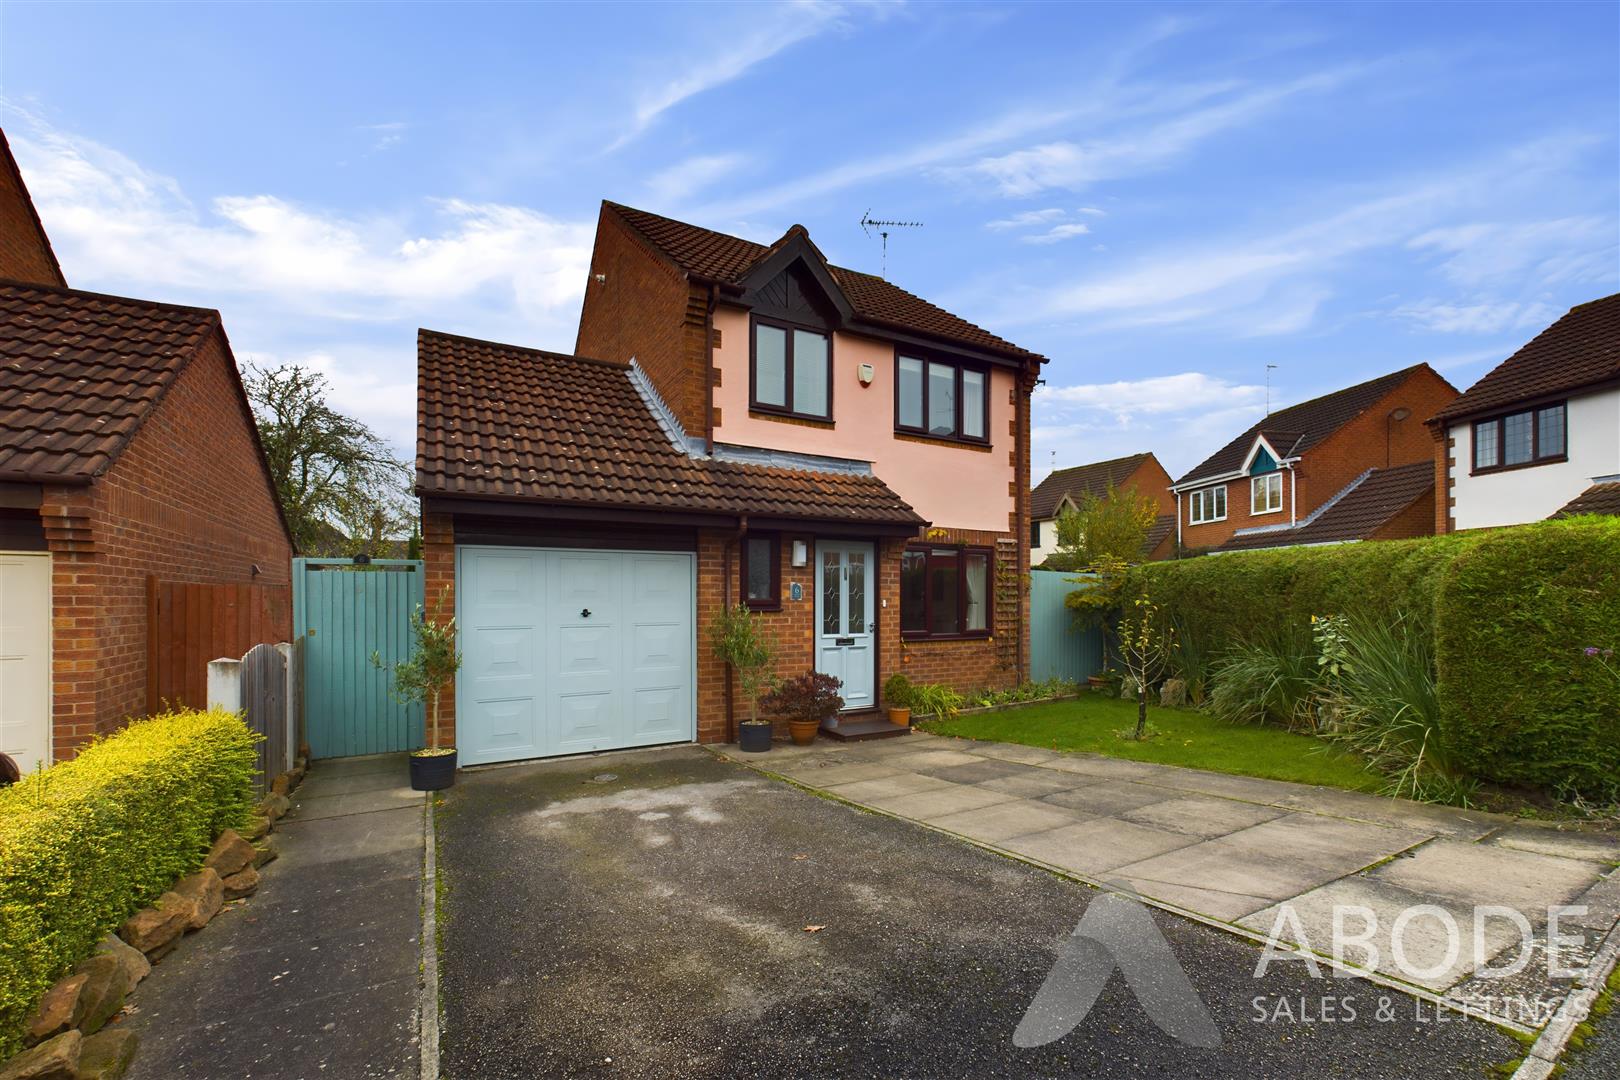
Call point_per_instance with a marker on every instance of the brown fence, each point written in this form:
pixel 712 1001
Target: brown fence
pixel 189 624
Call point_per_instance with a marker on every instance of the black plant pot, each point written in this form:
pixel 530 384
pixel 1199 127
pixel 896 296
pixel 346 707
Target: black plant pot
pixel 753 738
pixel 433 773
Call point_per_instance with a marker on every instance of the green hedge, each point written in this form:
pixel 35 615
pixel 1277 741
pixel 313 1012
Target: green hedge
pixel 1520 701
pixel 1510 609
pixel 86 843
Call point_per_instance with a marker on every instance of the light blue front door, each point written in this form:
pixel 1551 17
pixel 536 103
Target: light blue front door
pixel 570 651
pixel 846 579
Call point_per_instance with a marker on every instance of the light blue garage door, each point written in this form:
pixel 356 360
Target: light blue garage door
pixel 568 651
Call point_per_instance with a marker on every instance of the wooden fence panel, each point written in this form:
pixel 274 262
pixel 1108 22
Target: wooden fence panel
pixel 1057 649
pixel 191 623
pixel 264 705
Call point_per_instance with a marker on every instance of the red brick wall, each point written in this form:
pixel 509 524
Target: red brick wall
pixel 188 500
pixel 1332 463
pixel 25 253
pixel 1444 448
pixel 439 585
pixel 641 311
pixel 1415 520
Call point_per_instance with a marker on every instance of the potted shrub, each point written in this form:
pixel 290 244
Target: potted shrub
pixel 422 679
pixel 897 696
pixel 806 700
pixel 738 639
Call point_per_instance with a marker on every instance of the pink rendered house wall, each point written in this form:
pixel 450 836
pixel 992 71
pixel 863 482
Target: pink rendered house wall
pixel 951 485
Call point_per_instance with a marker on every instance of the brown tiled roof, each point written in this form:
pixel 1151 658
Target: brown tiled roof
pixel 1079 480
pixel 505 422
pixel 81 372
pixel 1162 526
pixel 1579 350
pixel 1356 514
pixel 1601 498
pixel 719 257
pixel 1296 429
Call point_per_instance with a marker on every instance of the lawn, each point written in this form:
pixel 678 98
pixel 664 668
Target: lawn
pixel 1093 723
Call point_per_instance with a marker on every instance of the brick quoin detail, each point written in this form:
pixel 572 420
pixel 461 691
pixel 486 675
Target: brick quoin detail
pixel 439 583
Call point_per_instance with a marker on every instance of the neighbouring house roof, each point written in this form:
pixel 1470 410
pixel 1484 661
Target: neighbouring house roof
pixel 1294 430
pixel 1601 498
pixel 1080 480
pixel 505 422
pixel 82 373
pixel 42 241
pixel 715 256
pixel 1162 526
pixel 1365 505
pixel 1580 350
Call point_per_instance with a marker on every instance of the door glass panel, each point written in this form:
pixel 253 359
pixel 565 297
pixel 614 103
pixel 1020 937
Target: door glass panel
pixel 770 365
pixel 809 373
pixel 941 399
pixel 943 601
pixel 913 591
pixel 976 575
pixel 973 404
pixel 857 592
pixel 832 593
pixel 911 392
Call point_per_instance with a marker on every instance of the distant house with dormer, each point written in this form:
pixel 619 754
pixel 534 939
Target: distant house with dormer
pixel 1068 488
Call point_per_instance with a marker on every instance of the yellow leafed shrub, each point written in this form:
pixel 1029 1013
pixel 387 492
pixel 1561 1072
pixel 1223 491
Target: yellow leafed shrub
pixel 86 843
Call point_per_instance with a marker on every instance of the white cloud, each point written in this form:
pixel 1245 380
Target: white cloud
pixel 1483 317
pixel 1056 224
pixel 1028 219
pixel 685 178
pixel 385 136
pixel 1570 249
pixel 1057 234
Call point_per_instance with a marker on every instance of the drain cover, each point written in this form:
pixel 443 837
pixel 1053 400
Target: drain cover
pixel 603 778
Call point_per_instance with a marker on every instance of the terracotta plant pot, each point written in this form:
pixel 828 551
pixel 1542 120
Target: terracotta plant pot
pixel 900 717
pixel 803 731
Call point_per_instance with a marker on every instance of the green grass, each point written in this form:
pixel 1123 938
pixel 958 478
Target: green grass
pixel 1092 723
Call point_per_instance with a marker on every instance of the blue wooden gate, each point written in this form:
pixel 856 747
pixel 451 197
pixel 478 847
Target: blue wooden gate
pixel 1056 650
pixel 345 612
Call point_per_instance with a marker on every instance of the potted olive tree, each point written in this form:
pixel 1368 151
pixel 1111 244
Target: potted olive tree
pixel 897 696
pixel 422 679
pixel 807 701
pixel 739 640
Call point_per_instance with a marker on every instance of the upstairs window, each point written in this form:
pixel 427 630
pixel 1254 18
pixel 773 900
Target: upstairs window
pixel 941 399
pixel 1206 505
pixel 1265 494
pixel 945 592
pixel 1530 437
pixel 791 371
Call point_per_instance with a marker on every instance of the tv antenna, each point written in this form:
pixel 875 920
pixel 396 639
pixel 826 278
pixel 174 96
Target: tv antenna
pixel 1269 369
pixel 868 223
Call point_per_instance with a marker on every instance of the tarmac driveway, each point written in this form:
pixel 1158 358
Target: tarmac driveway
pixel 648 914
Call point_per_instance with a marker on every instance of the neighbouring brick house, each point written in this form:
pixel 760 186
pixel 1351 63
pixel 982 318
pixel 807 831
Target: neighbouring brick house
pixel 742 423
pixel 1342 467
pixel 1066 488
pixel 1539 435
pixel 127 452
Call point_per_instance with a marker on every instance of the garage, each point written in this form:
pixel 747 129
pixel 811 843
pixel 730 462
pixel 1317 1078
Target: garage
pixel 25 657
pixel 568 651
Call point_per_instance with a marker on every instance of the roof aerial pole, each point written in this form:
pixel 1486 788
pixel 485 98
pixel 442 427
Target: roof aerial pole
pixel 1269 369
pixel 868 223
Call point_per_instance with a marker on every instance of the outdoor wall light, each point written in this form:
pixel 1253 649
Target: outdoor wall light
pixel 801 553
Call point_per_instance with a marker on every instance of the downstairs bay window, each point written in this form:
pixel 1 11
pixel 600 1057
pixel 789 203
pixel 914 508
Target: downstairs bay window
pixel 945 592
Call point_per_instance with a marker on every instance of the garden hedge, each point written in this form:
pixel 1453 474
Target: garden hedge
pixel 87 842
pixel 1511 611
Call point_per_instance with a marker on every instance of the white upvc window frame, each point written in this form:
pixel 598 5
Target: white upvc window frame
pixel 1263 483
pixel 1203 500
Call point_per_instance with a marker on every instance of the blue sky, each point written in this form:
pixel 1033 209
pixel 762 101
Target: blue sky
pixel 1164 199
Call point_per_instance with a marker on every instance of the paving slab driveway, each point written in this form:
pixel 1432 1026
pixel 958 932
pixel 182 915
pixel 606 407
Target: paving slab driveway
pixel 645 915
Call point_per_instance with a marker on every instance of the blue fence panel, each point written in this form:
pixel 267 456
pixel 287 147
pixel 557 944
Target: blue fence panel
pixel 345 613
pixel 1056 649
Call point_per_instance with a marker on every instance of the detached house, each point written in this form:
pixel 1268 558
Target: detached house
pixel 742 423
pixel 1539 435
pixel 128 455
pixel 1065 489
pixel 1352 465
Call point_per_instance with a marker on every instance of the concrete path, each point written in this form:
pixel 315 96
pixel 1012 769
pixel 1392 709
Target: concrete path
pixel 316 974
pixel 1251 852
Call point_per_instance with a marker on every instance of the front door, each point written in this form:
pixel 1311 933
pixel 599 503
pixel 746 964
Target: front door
pixel 846 579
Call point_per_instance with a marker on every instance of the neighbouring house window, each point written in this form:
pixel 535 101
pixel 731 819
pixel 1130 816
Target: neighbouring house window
pixel 762 571
pixel 1529 437
pixel 1265 494
pixel 1034 533
pixel 1206 505
pixel 945 592
pixel 792 370
pixel 942 399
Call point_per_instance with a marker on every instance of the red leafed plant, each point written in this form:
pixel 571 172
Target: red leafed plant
pixel 811 696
